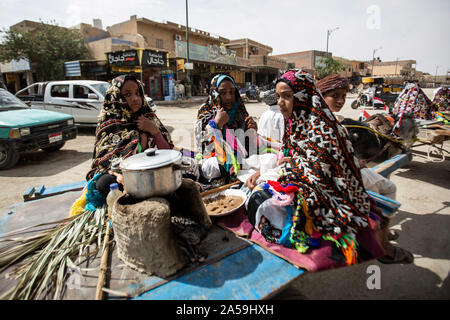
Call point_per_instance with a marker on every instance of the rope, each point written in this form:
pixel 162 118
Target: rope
pixel 382 135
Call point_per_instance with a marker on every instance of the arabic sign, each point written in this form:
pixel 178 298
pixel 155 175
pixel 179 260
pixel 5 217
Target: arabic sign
pixel 221 54
pixel 154 58
pixel 196 52
pixel 211 53
pixel 123 58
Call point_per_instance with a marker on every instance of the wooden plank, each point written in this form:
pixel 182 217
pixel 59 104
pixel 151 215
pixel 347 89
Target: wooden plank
pixel 387 167
pixel 28 193
pixel 387 205
pixel 39 190
pixel 43 192
pixel 249 274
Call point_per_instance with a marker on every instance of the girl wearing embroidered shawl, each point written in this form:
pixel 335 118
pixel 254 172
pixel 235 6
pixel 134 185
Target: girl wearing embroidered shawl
pixel 330 200
pixel 219 120
pixel 124 130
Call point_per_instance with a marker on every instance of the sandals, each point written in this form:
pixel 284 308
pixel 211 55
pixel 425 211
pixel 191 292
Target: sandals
pixel 401 256
pixel 393 235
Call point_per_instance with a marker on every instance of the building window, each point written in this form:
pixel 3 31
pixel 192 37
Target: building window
pixel 159 44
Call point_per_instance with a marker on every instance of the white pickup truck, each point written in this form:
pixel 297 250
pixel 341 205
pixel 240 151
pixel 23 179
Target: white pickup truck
pixel 83 99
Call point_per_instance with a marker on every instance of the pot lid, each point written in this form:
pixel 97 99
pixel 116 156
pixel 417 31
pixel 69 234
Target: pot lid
pixel 151 159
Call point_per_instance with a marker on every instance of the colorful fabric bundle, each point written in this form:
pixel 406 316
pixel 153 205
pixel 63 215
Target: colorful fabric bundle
pixel 441 104
pixel 229 152
pixel 412 101
pixel 332 200
pixel 117 135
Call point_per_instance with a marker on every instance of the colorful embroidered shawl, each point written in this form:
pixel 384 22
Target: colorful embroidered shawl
pixel 209 110
pixel 412 101
pixel 117 135
pixel 441 100
pixel 323 166
pixel 213 142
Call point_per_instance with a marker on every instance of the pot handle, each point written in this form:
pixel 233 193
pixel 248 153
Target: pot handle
pixel 150 152
pixel 115 166
pixel 181 166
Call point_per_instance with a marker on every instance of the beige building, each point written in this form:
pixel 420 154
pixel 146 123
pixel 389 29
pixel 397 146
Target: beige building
pixel 348 70
pixel 207 52
pixel 398 68
pixel 262 68
pixel 306 60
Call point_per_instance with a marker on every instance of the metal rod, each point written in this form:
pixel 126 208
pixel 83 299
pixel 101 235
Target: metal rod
pixel 188 76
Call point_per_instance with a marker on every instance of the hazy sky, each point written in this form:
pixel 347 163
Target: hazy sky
pixel 404 29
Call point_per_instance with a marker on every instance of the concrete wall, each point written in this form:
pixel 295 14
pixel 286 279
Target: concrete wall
pixel 302 60
pixel 97 49
pixel 91 33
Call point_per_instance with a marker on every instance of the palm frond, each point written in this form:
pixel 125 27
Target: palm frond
pixel 46 256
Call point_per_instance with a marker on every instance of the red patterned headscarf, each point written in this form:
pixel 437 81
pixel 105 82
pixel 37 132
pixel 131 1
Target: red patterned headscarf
pixel 323 163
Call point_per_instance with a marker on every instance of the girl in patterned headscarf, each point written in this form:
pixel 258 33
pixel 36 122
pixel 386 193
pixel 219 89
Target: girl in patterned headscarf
pixel 126 126
pixel 218 121
pixel 322 179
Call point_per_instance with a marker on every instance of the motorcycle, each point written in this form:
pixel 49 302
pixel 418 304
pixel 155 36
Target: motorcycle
pixel 243 94
pixel 251 93
pixel 365 100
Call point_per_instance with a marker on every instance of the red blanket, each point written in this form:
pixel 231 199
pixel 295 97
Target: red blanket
pixel 321 258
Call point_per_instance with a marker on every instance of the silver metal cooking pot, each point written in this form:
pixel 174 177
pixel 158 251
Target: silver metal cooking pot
pixel 151 173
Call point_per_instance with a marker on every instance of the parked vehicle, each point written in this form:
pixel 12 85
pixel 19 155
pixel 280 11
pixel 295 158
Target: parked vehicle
pixel 82 99
pixel 382 98
pixel 243 94
pixel 253 93
pixel 25 129
pixel 250 93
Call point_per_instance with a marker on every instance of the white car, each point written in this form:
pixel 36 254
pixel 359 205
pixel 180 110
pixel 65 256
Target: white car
pixel 83 99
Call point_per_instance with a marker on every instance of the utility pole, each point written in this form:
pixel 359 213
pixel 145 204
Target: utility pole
pixel 396 64
pixel 435 76
pixel 188 76
pixel 329 31
pixel 373 57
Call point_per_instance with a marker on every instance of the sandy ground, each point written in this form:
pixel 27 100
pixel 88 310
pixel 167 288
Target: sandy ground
pixel 423 220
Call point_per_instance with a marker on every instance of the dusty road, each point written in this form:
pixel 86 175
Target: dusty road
pixel 423 220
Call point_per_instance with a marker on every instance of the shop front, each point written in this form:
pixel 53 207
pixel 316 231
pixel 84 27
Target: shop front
pixel 149 66
pixel 86 70
pixel 16 74
pixel 207 61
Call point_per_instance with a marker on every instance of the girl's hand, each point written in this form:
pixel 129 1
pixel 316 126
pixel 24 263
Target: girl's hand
pixel 147 125
pixel 251 182
pixel 283 160
pixel 221 118
pixel 119 177
pixel 251 124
